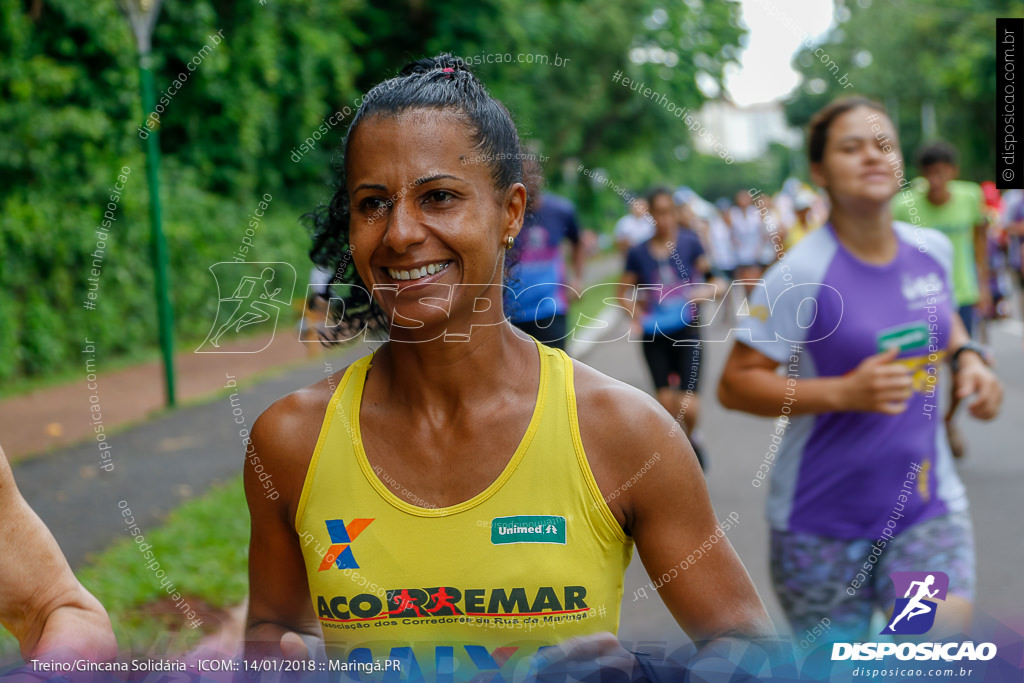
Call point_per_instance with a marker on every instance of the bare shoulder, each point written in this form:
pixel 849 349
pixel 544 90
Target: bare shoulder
pixel 282 442
pixel 620 425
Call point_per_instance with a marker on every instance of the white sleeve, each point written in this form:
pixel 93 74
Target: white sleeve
pixel 784 305
pixel 775 319
pixel 621 228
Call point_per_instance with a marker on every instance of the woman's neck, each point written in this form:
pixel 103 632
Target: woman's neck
pixel 665 236
pixel 866 233
pixel 449 375
pixel 938 195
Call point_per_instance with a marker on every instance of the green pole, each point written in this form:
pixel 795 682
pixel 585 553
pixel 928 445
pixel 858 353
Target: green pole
pixel 158 251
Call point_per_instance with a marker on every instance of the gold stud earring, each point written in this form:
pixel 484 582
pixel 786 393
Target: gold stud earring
pixel 509 241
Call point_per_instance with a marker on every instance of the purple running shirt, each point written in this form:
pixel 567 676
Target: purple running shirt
pixel 844 475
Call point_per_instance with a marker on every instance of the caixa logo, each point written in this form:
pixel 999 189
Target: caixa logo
pixel 914 614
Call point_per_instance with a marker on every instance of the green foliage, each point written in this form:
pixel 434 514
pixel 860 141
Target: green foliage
pixel 50 249
pixel 913 56
pixel 575 112
pixel 264 77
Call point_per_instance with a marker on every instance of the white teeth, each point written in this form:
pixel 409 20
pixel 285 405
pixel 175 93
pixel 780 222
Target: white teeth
pixel 417 273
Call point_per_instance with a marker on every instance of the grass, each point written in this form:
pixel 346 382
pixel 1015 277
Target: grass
pixel 592 302
pixel 202 547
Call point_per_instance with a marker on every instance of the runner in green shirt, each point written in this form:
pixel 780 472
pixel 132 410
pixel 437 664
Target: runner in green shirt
pixel 953 207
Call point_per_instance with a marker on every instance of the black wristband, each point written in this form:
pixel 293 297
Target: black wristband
pixel 954 360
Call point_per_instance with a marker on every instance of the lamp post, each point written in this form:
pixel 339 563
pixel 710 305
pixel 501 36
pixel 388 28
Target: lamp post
pixel 141 14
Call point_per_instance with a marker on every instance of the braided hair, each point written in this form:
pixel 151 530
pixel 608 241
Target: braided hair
pixel 442 83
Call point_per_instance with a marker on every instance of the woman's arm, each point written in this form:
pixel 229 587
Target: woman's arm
pixel 280 610
pixel 41 601
pixel 749 383
pixel 974 378
pixel 702 581
pixel 666 510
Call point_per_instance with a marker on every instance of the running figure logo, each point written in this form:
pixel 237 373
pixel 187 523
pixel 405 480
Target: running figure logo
pixel 423 602
pixel 914 613
pixel 259 291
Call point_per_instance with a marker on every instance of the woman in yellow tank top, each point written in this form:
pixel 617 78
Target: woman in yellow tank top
pixel 465 495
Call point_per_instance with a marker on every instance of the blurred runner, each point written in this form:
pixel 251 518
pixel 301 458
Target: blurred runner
pixel 863 483
pixel 635 227
pixel 748 236
pixel 1013 220
pixel 663 270
pixel 723 253
pixel 955 208
pixel 722 250
pixel 803 222
pixel 999 282
pixel 541 302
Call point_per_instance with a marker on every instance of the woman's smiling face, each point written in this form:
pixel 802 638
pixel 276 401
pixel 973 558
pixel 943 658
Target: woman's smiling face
pixel 855 166
pixel 425 216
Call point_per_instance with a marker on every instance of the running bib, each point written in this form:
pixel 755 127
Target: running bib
pixel 909 337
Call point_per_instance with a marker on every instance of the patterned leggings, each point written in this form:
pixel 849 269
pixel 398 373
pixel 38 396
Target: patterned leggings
pixel 814 576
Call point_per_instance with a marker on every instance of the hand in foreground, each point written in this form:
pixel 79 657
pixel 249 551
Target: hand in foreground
pixel 976 379
pixel 582 655
pixel 878 385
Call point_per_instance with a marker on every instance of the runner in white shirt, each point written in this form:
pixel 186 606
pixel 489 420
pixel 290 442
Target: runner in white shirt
pixel 636 227
pixel 748 236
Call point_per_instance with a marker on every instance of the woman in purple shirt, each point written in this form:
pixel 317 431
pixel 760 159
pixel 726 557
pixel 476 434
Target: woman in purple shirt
pixel 861 479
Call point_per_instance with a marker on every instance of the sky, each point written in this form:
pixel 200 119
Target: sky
pixel 777 28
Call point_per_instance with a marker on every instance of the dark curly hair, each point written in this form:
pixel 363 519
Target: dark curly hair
pixel 937 152
pixel 443 83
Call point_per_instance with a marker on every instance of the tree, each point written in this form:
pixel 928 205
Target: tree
pixel 916 58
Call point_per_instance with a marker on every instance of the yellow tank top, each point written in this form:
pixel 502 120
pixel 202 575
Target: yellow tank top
pixel 534 559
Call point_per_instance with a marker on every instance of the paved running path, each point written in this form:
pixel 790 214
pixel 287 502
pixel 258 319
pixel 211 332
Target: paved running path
pixel 50 418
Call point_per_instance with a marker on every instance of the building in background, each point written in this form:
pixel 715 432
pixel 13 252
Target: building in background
pixel 746 132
